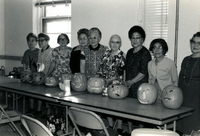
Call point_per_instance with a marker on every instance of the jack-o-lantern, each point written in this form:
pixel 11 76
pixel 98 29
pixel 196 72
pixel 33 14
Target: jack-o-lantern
pixel 37 76
pixel 172 97
pixel 117 91
pixel 67 76
pixel 95 85
pixel 51 81
pixel 147 93
pixel 79 82
pixel 26 76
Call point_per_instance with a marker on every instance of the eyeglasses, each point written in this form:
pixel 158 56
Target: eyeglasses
pixel 93 38
pixel 115 42
pixel 41 40
pixel 194 42
pixel 135 38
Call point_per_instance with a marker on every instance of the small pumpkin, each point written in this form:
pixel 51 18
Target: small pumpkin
pixel 95 85
pixel 79 82
pixel 26 76
pixel 51 81
pixel 37 76
pixel 172 97
pixel 66 76
pixel 117 91
pixel 147 93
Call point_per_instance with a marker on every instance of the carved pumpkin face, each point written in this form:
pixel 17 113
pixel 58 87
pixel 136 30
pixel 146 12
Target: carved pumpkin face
pixel 79 82
pixel 172 97
pixel 95 85
pixel 147 93
pixel 26 76
pixel 37 76
pixel 117 91
pixel 67 76
pixel 51 81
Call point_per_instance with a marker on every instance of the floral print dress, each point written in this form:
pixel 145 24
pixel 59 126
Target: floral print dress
pixel 61 62
pixel 112 66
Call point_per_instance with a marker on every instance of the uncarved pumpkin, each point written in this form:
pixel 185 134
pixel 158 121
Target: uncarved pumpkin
pixel 79 82
pixel 51 81
pixel 147 93
pixel 117 91
pixel 95 85
pixel 172 97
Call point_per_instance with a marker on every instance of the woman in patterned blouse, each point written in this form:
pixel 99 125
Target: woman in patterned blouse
pixel 60 57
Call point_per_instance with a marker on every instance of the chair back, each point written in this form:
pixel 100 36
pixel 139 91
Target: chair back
pixel 87 119
pixel 35 127
pixel 152 132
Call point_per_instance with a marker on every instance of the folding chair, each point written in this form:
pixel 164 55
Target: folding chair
pixel 87 119
pixel 9 117
pixel 152 132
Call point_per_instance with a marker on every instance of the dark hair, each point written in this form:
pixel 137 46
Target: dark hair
pixel 196 35
pixel 31 35
pixel 46 37
pixel 162 42
pixel 66 37
pixel 137 29
pixel 95 29
pixel 83 31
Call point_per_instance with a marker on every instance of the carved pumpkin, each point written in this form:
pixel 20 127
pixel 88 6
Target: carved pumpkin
pixel 51 81
pixel 172 97
pixel 95 85
pixel 147 93
pixel 79 82
pixel 37 76
pixel 67 76
pixel 26 76
pixel 117 91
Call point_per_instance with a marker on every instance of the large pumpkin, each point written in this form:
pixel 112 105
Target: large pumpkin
pixel 147 93
pixel 37 76
pixel 26 76
pixel 51 81
pixel 172 97
pixel 79 82
pixel 66 76
pixel 117 91
pixel 95 85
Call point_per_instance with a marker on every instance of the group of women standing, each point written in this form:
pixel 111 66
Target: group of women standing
pixel 132 69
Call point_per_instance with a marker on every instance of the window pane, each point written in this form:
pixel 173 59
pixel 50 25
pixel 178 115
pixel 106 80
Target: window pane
pixel 56 25
pixel 58 10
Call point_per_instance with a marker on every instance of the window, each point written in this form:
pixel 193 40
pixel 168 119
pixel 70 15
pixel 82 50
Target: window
pixel 156 20
pixel 55 18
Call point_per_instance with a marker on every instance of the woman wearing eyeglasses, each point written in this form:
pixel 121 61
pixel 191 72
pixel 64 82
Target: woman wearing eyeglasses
pixel 189 82
pixel 60 57
pixel 162 70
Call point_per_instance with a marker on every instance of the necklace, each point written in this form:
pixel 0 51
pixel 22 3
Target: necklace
pixel 186 66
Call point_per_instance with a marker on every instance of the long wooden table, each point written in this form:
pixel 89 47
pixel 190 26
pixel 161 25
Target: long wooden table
pixel 128 108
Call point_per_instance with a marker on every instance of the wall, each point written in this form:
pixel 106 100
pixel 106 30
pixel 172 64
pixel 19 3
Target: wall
pixel 2 32
pixel 189 23
pixel 111 16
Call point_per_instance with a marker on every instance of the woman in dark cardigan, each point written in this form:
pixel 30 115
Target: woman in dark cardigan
pixel 77 61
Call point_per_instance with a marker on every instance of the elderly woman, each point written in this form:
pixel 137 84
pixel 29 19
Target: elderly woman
pixel 30 56
pixel 162 70
pixel 60 57
pixel 189 82
pixel 77 60
pixel 137 60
